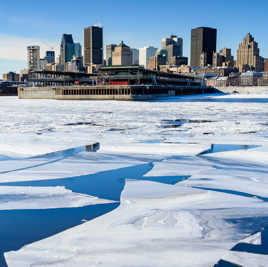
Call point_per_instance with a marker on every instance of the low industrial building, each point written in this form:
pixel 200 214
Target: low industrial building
pixel 11 77
pixel 244 79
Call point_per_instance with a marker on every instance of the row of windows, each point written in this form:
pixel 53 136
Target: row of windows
pixel 97 92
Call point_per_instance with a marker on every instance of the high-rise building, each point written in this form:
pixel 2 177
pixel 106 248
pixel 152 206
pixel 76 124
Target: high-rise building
pixel 178 61
pixel 135 56
pixel 33 58
pixel 203 45
pixel 223 59
pixel 174 45
pixel 227 53
pixel 203 59
pixel 77 50
pixel 160 58
pixel 266 65
pixel 145 53
pixel 248 57
pixel 218 60
pixel 109 52
pixel 122 55
pixel 50 57
pixel 43 64
pixel 66 49
pixel 93 46
pixel 76 65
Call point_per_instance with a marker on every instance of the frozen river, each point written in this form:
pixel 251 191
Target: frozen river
pixel 173 121
pixel 177 182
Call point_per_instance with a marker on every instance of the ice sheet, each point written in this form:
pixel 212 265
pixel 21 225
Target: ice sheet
pixel 149 197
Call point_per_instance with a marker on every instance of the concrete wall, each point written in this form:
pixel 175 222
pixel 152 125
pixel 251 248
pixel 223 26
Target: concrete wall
pixel 93 97
pixel 50 93
pixel 125 93
pixel 36 93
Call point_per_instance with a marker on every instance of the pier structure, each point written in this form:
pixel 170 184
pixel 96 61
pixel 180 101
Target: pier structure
pixel 112 83
pixel 59 78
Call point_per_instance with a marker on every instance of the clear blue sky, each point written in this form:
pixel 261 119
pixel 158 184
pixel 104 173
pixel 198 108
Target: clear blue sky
pixel 137 22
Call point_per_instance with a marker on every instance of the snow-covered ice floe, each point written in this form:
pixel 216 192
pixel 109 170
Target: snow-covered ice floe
pixel 177 182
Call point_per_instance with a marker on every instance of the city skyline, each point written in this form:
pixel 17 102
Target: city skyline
pixel 22 26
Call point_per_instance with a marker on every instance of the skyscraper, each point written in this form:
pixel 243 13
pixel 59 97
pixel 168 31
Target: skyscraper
pixel 122 55
pixel 174 46
pixel 203 45
pixel 77 50
pixel 93 45
pixel 144 54
pixel 135 56
pixel 50 57
pixel 43 64
pixel 266 65
pixel 160 58
pixel 109 51
pixel 227 53
pixel 224 58
pixel 66 49
pixel 248 55
pixel 33 57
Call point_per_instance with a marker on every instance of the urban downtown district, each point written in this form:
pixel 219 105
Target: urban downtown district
pixel 178 178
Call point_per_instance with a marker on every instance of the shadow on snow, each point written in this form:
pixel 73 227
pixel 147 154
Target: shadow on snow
pixel 106 184
pixel 249 225
pixel 21 227
pixel 212 99
pixel 226 147
pixel 233 192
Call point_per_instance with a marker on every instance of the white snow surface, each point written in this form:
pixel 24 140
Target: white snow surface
pixel 176 206
pixel 43 198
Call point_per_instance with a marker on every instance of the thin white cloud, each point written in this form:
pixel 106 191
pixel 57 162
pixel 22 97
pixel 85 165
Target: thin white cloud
pixel 15 47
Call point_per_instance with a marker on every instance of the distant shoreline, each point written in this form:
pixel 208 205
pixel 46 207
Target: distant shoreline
pixel 244 89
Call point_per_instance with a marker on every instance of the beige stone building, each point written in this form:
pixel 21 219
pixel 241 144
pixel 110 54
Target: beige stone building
pixel 180 69
pixel 203 59
pixel 248 57
pixel 122 55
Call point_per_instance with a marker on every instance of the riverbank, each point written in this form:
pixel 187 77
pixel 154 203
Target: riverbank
pixel 244 89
